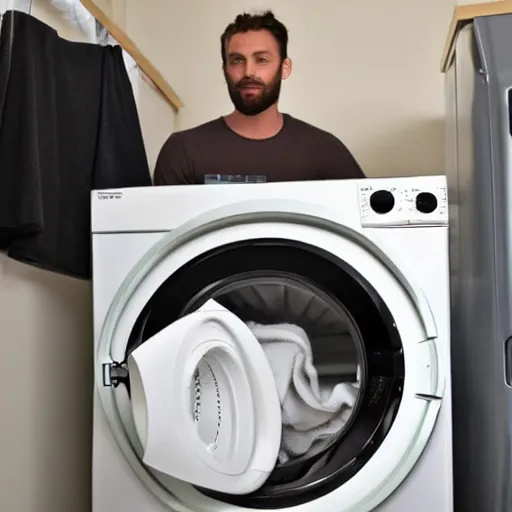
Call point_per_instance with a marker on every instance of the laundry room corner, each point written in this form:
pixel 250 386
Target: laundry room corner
pixel 46 368
pixel 367 73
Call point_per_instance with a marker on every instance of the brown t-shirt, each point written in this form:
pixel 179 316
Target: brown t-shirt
pixel 299 152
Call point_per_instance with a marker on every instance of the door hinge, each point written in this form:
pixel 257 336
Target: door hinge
pixel 114 374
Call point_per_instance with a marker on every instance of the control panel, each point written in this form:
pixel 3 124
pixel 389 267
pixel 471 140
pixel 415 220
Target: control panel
pixel 403 202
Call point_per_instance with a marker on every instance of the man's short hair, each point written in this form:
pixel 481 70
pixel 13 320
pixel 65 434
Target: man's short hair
pixel 248 22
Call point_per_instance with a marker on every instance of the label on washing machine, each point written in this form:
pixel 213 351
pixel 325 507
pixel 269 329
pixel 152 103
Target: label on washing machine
pixel 109 195
pixel 227 179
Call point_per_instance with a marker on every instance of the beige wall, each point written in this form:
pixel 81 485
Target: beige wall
pixel 366 70
pixel 157 119
pixel 46 352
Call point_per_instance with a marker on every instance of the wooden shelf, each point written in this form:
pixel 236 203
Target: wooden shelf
pixel 130 47
pixel 464 14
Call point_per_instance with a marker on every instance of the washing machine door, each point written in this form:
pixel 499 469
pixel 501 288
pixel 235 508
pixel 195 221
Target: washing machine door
pixel 204 403
pixel 304 247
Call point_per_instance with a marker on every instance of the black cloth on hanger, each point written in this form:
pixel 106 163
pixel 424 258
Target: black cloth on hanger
pixel 68 125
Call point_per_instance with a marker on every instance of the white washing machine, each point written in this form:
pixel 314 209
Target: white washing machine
pixel 187 414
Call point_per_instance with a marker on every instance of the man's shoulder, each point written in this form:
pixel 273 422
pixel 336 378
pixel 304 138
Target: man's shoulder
pixel 202 130
pixel 337 158
pixel 312 132
pixel 175 162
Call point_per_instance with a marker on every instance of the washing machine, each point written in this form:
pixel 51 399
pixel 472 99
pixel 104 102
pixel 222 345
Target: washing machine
pixel 188 412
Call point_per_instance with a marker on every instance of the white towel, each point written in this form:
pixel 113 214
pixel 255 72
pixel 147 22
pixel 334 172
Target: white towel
pixel 312 414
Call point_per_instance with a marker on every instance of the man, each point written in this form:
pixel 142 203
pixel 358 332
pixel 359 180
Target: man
pixel 255 142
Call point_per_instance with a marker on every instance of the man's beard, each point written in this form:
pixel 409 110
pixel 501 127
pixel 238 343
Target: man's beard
pixel 252 106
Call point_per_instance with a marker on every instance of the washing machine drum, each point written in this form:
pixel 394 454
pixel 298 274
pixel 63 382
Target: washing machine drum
pixel 220 332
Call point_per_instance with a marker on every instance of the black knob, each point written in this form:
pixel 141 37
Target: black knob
pixel 426 202
pixel 382 201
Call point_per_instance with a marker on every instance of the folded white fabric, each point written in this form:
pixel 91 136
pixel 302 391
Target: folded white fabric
pixel 312 414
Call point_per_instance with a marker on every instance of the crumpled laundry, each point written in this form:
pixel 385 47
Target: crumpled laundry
pixel 312 413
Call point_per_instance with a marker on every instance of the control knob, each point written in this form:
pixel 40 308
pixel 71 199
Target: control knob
pixel 426 202
pixel 382 201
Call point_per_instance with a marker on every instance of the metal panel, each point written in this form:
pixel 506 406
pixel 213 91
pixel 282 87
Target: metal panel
pixel 481 277
pixel 495 40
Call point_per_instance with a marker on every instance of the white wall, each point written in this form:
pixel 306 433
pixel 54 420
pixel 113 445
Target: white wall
pixel 46 352
pixel 366 70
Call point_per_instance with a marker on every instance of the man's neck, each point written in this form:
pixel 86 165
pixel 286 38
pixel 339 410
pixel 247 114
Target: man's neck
pixel 262 126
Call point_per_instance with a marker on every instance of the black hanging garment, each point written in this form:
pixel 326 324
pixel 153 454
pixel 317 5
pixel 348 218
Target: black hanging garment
pixel 68 125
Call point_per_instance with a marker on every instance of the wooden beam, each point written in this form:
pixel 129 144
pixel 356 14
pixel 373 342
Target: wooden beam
pixel 130 47
pixel 464 14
